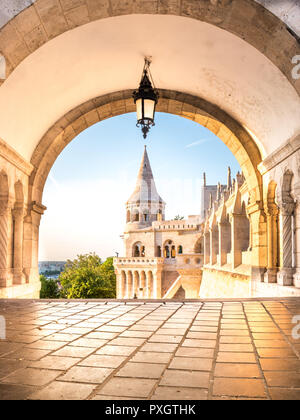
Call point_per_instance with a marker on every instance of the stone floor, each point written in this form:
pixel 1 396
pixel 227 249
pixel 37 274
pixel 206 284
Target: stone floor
pixel 137 350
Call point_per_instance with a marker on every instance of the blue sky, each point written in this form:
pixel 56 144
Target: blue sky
pixel 94 175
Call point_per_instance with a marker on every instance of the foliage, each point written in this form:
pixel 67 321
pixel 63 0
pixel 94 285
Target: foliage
pixel 49 288
pixel 87 277
pixel 178 217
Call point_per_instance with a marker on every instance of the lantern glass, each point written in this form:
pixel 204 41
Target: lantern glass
pixel 149 106
pixel 139 109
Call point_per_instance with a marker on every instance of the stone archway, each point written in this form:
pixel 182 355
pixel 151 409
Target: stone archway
pixel 45 20
pixel 46 25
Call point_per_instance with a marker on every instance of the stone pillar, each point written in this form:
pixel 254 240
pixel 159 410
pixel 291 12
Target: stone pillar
pixel 213 246
pixel 18 217
pixel 129 288
pixel 236 253
pixel 285 275
pixel 258 240
pixel 222 244
pixel 150 284
pixel 5 241
pixel 206 248
pixel 157 284
pixel 297 242
pixel 144 292
pixel 31 243
pixel 136 285
pixel 272 229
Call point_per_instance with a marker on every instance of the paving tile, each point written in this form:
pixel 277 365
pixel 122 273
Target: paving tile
pixel 116 350
pixel 199 343
pixel 15 392
pixel 194 352
pixel 270 352
pixel 97 360
pixel 284 394
pixel 202 335
pixel 239 387
pixel 229 339
pixel 158 338
pixel 283 379
pixel 151 357
pixel 235 347
pixel 237 370
pixel 179 393
pixel 127 341
pixel 232 357
pixel 29 376
pixel 279 344
pixel 234 332
pixel 8 366
pixel 63 391
pixel 46 345
pixel 191 363
pixel 102 335
pixel 55 362
pixel 193 379
pixel 280 364
pixel 28 354
pixel 128 387
pixel 159 347
pixel 142 370
pixel 88 342
pixel 72 351
pixel 86 374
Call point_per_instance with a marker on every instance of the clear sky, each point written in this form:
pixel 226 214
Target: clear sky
pixel 91 180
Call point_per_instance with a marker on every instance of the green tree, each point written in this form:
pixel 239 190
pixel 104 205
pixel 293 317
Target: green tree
pixel 49 288
pixel 87 277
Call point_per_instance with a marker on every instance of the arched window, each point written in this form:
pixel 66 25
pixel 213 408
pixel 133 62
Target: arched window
pixel 180 250
pixel 128 216
pixel 138 250
pixel 158 252
pixel 167 252
pixel 173 251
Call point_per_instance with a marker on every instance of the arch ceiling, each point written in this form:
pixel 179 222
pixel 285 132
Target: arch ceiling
pixel 106 55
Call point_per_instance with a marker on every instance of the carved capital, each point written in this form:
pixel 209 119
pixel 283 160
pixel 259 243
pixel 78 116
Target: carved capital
pixel 287 206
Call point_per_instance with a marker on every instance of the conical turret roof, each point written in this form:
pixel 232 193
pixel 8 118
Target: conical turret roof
pixel 145 189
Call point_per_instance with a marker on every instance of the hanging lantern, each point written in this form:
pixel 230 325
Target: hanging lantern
pixel 145 98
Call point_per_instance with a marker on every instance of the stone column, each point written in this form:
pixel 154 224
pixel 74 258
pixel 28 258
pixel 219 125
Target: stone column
pixel 285 275
pixel 31 244
pixel 272 224
pixel 136 285
pixel 129 288
pixel 236 253
pixel 18 214
pixel 222 244
pixel 144 292
pixel 206 248
pixel 297 242
pixel 258 240
pixel 5 229
pixel 150 284
pixel 213 246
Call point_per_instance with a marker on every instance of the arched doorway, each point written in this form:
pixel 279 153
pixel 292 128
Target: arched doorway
pixel 46 129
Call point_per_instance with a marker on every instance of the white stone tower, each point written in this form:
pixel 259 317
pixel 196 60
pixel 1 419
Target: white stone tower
pixel 145 204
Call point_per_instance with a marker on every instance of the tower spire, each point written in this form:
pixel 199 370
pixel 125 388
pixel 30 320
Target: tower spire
pixel 145 199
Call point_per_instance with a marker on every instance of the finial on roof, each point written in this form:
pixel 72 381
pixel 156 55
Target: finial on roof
pixel 228 178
